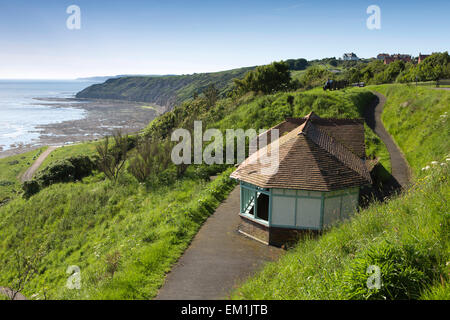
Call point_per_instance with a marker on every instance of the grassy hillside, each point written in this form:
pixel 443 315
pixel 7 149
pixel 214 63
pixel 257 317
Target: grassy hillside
pixel 11 169
pixel 407 236
pixel 126 236
pixel 267 111
pixel 165 91
pixel 85 148
pixel 123 237
pixel 418 119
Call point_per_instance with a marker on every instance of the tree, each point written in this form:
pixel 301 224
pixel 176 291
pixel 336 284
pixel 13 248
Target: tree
pixel 266 79
pixel 111 159
pixel 150 158
pixel 353 75
pixel 434 68
pixel 297 64
pixel 26 267
pixel 333 63
pixel 211 94
pixel 373 68
pixel 315 76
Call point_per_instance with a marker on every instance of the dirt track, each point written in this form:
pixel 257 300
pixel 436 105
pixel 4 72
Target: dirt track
pixel 28 175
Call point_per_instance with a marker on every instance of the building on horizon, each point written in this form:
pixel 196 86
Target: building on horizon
pixel 350 57
pixel 383 56
pixel 396 57
pixel 422 57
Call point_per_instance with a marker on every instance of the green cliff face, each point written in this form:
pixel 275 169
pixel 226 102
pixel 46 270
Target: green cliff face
pixel 166 91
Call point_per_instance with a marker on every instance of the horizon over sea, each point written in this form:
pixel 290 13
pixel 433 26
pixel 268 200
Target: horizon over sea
pixel 21 113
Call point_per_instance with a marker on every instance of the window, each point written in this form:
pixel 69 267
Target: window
pixel 263 207
pixel 247 200
pixel 255 202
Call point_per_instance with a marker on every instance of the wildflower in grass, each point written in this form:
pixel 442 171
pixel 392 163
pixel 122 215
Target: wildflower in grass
pixel 434 163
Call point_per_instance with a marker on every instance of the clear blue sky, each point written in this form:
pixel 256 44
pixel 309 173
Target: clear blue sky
pixel 179 37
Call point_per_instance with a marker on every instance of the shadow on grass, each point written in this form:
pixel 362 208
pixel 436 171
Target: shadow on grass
pixel 384 186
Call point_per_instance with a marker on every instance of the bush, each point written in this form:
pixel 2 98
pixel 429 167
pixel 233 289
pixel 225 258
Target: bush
pixel 150 158
pixel 297 64
pixel 315 76
pixel 111 159
pixel 405 272
pixel 65 170
pixel 266 79
pixel 30 188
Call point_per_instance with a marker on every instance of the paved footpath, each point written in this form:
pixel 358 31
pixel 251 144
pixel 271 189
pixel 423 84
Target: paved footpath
pixel 400 168
pixel 218 259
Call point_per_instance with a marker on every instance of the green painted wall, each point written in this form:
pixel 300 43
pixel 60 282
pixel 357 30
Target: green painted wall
pixel 301 209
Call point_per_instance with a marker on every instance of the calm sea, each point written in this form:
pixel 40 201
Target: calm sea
pixel 20 113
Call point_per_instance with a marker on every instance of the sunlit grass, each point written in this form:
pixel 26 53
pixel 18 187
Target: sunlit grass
pixel 11 170
pixel 410 230
pixel 85 223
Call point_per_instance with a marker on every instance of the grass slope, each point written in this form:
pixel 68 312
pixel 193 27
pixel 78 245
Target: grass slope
pixel 11 169
pixel 418 120
pixel 407 236
pixel 67 151
pixel 267 111
pixel 125 237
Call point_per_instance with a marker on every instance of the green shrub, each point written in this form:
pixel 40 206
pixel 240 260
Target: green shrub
pixel 266 79
pixel 440 291
pixel 123 237
pixel 149 159
pixel 111 159
pixel 65 170
pixel 315 76
pixel 30 188
pixel 59 171
pixel 405 271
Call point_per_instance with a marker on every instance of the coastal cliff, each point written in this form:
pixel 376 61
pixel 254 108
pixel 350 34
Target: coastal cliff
pixel 166 91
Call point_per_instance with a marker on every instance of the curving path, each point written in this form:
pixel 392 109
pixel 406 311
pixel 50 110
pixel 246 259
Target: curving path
pixel 400 168
pixel 218 259
pixel 28 175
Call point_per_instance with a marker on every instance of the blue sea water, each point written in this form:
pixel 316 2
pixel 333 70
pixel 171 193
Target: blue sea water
pixel 21 113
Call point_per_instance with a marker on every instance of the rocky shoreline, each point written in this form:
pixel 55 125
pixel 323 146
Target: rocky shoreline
pixel 102 118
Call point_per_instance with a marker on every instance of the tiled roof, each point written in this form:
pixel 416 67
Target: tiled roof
pixel 314 154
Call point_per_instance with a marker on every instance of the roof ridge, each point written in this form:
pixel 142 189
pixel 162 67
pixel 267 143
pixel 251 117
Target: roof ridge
pixel 336 140
pixel 315 117
pixel 281 160
pixel 340 151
